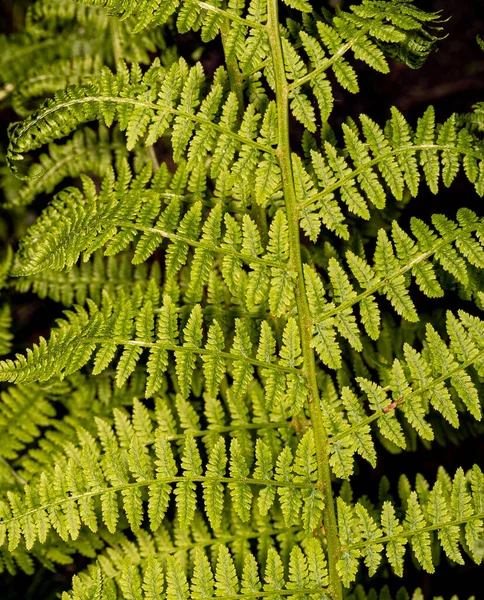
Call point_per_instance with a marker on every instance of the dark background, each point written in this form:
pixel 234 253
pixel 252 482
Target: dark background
pixel 452 80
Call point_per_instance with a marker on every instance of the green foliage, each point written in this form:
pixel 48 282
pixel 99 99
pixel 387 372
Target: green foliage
pixel 131 464
pixel 86 151
pixel 307 575
pixel 247 314
pixel 449 512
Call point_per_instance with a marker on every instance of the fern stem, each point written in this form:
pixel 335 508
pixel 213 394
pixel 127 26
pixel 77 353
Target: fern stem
pixel 408 533
pixel 263 425
pixel 191 198
pixel 154 159
pixel 320 434
pixel 233 71
pixel 117 51
pixel 324 67
pixel 198 351
pixel 233 311
pixel 220 429
pixel 187 477
pixel 20 480
pixel 247 258
pixel 134 102
pixel 258 67
pixel 277 592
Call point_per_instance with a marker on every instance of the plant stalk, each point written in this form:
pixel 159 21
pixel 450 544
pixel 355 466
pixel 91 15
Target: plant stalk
pixel 320 434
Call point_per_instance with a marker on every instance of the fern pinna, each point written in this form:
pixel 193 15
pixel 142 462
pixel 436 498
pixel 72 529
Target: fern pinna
pixel 246 318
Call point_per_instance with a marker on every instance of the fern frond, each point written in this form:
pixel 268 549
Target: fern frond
pixel 449 516
pixel 86 151
pixel 23 411
pixel 53 13
pixel 5 266
pixel 61 73
pixel 39 58
pixel 89 279
pixel 187 546
pixel 184 425
pixel 307 576
pixel 32 435
pixel 99 28
pixel 25 50
pixel 384 162
pixel 371 31
pixel 360 593
pixel 120 213
pixel 135 469
pixel 102 330
pixel 452 246
pixel 440 377
pixel 144 105
pixel 50 555
pixel 79 396
pixel 192 14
